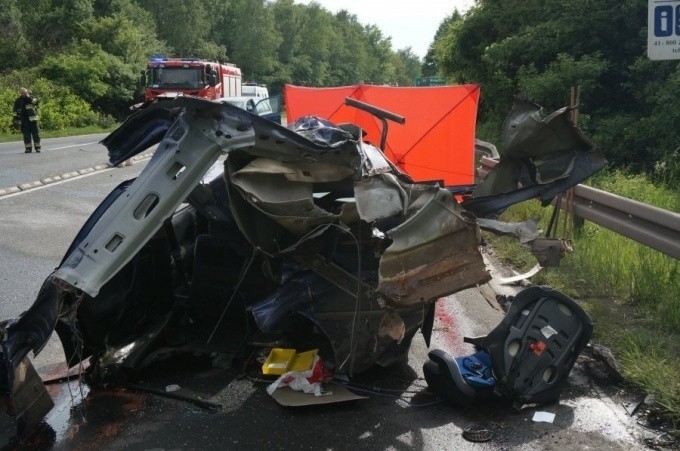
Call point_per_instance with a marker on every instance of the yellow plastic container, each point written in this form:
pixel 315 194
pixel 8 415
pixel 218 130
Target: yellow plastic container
pixel 281 360
pixel 303 361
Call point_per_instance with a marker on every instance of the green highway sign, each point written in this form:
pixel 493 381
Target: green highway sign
pixel 430 81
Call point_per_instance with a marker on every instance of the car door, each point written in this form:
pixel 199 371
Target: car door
pixel 264 109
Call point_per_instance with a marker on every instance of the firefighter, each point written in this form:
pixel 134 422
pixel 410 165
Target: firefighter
pixel 26 116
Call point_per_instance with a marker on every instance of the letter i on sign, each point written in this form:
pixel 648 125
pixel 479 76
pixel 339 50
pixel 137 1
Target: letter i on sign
pixel 663 21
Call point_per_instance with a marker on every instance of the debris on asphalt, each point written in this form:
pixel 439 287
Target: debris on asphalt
pixel 663 440
pixel 307 381
pixel 181 394
pixel 519 278
pixel 475 434
pixel 543 417
pixel 631 407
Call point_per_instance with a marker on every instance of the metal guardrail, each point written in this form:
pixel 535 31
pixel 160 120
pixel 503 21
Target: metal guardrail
pixel 653 227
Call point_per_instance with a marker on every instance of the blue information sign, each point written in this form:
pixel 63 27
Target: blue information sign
pixel 663 30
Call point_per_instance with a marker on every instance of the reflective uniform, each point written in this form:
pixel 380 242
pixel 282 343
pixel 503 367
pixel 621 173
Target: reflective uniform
pixel 26 113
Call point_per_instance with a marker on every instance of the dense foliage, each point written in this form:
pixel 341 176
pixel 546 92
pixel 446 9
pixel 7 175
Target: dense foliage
pixel 628 104
pixel 83 57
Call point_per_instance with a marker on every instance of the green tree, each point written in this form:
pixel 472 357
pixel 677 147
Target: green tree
pixel 430 65
pixel 119 36
pixel 349 52
pixel 407 67
pixel 547 88
pixel 380 68
pixel 13 43
pixel 251 38
pixel 544 48
pixel 98 77
pixel 288 18
pixel 187 28
pixel 311 59
pixel 51 25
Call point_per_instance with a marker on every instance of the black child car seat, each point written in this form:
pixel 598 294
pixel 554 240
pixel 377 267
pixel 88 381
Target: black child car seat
pixel 526 358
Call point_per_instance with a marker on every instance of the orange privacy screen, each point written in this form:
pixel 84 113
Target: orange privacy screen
pixel 435 143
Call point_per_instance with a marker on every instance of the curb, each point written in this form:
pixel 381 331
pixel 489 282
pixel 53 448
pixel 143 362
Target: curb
pixel 65 176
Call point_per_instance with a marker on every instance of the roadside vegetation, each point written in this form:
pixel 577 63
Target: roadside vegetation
pixel 83 58
pixel 631 292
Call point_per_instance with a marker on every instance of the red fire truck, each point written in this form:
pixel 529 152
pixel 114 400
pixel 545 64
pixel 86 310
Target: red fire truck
pixel 169 77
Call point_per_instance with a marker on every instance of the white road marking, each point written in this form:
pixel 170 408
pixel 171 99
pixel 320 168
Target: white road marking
pixel 68 147
pixel 37 188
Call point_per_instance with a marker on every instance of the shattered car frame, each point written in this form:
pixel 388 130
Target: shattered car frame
pixel 306 236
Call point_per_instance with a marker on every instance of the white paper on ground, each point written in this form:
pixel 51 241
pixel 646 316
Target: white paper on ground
pixel 544 417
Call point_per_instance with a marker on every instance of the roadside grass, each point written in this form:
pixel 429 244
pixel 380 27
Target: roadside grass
pixel 631 292
pixel 93 129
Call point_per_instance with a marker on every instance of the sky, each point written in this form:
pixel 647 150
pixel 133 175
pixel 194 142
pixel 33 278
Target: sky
pixel 409 23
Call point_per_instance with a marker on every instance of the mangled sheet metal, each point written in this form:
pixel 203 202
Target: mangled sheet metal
pixel 305 214
pixel 421 264
pixel 304 235
pixel 545 154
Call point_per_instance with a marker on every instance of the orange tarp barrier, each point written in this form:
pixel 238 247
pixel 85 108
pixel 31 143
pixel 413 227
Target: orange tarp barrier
pixel 435 143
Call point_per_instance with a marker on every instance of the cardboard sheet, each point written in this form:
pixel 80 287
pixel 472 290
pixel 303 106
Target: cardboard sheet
pixel 291 398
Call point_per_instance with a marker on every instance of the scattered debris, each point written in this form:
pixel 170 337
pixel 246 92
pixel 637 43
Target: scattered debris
pixel 307 381
pixel 487 292
pixel 281 361
pixel 663 440
pixel 543 417
pixel 660 426
pixel 601 365
pixel 520 277
pixel 631 407
pixel 545 153
pixel 526 231
pixel 550 251
pixel 477 434
pixel 335 393
pixel 181 394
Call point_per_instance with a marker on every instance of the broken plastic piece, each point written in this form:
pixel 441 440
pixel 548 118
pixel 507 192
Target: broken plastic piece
pixel 282 360
pixel 510 280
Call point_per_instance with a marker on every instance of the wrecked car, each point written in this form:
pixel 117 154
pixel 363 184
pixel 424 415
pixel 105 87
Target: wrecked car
pixel 240 230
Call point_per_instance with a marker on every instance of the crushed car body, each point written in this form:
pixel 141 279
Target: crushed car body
pixel 241 230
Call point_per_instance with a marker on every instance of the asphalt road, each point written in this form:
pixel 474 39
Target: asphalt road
pixel 58 156
pixel 38 224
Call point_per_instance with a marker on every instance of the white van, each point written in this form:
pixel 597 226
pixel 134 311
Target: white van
pixel 254 90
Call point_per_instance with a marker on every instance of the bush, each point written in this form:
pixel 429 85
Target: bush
pixel 7 97
pixel 59 107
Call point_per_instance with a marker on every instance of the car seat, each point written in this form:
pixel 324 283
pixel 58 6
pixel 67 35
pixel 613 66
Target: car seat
pixel 526 358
